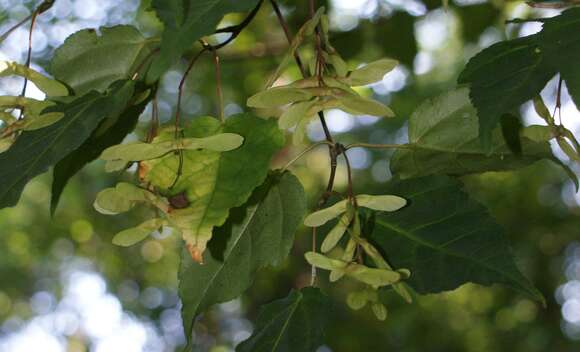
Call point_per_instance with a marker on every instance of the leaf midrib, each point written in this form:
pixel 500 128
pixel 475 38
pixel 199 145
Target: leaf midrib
pixel 419 241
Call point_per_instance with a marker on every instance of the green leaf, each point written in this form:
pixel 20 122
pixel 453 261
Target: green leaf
pixel 137 234
pixel 258 234
pixel 562 47
pixel 295 323
pixel 215 182
pixel 49 86
pixel 185 23
pixel 111 131
pixel 443 140
pixel 502 77
pixel 511 128
pixel 35 151
pixel 446 239
pixel 370 73
pixel 88 61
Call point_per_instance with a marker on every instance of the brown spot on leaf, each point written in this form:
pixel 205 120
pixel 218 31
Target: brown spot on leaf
pixel 196 253
pixel 179 201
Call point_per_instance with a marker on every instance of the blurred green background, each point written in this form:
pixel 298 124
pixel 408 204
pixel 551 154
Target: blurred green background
pixel 65 287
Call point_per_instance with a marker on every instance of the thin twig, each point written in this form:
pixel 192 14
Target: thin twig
pixel 144 62
pixel 300 64
pixel 218 79
pixel 304 152
pixel 524 20
pixel 558 107
pixel 154 126
pixel 377 146
pixel 237 29
pixel 28 57
pixel 180 89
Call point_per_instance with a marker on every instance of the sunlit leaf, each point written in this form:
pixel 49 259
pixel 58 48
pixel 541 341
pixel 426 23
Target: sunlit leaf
pixel 185 22
pixel 89 60
pixel 214 182
pixel 443 139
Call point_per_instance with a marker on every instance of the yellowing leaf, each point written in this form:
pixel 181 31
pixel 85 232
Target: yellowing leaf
pixel 381 203
pixel 137 234
pixel 49 86
pixel 373 72
pixel 321 217
pixel 213 182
